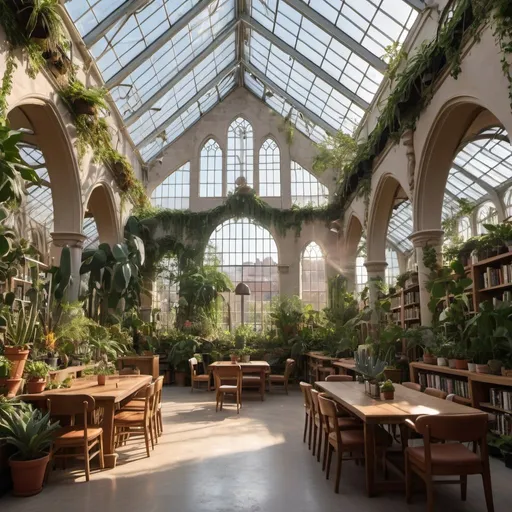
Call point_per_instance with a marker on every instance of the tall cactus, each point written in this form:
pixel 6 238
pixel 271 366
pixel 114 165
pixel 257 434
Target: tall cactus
pixel 20 330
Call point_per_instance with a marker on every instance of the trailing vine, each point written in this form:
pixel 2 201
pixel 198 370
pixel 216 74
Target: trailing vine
pixel 184 223
pixel 5 90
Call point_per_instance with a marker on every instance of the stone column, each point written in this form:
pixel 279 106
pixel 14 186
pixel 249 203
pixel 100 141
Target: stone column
pixel 75 241
pixel 420 239
pixel 376 270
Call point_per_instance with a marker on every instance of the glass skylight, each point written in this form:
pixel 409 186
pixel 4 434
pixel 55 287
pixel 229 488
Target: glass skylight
pixel 400 226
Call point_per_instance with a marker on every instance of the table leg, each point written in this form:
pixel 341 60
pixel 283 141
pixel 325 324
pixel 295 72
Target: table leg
pixel 369 453
pixel 262 384
pixel 108 434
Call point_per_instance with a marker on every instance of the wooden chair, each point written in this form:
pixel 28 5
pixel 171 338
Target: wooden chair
pixel 137 422
pixel 306 395
pixel 344 441
pixel 436 392
pixel 324 371
pixel 339 378
pixel 282 379
pixel 233 374
pixel 316 423
pixel 412 385
pixel 195 377
pixel 446 459
pixel 83 437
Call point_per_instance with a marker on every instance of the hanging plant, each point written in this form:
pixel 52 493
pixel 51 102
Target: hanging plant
pixel 84 100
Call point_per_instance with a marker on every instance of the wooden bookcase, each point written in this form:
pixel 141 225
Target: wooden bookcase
pixel 481 388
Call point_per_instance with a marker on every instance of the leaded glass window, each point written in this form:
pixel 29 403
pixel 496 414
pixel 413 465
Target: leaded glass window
pixel 166 292
pixel 210 173
pixel 486 214
pixel 464 228
pixel 270 169
pixel 240 153
pixel 361 272
pixel 393 269
pixel 313 278
pixel 306 189
pixel 174 192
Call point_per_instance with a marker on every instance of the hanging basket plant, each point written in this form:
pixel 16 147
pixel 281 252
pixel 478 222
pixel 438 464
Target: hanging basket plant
pixel 84 100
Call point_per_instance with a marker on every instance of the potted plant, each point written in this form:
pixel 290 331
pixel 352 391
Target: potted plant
pixel 500 235
pixel 179 355
pixel 30 432
pixel 8 386
pixel 102 370
pixel 372 369
pixel 461 361
pixel 36 373
pixel 387 390
pixel 245 353
pixel 83 100
pixel 402 279
pixel 234 356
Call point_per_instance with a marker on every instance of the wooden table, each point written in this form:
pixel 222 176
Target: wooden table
pixel 408 404
pixel 345 366
pixel 148 365
pixel 261 367
pixel 116 389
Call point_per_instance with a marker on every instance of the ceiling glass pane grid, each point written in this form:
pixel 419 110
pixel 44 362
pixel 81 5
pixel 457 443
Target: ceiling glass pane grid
pixel 393 269
pixel 247 252
pixel 176 128
pixel 184 90
pixel 319 47
pixel 486 214
pixel 306 189
pixel 154 74
pixel 282 107
pixel 303 85
pixel 270 169
pixel 375 24
pixel 400 226
pixel 174 192
pixel 90 230
pixel 313 278
pixel 87 14
pixel 464 228
pixel 39 205
pixel 240 158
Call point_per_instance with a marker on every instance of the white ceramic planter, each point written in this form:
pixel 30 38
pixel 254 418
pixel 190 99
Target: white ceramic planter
pixel 472 367
pixel 442 361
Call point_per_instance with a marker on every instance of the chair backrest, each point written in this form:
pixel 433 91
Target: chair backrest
pixel 453 427
pixel 149 402
pixel 411 385
pixel 193 366
pixel 456 399
pixel 328 411
pixel 339 378
pixel 306 393
pixel 290 365
pixel 315 408
pixel 159 385
pixel 227 372
pixel 436 392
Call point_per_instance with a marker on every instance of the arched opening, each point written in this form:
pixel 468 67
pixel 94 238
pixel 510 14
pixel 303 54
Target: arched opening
pixel 270 169
pixel 240 161
pixel 100 222
pixel 313 283
pixel 210 170
pixel 247 253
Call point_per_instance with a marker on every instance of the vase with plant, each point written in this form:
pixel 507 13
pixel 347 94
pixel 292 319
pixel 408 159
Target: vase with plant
pixel 387 390
pixel 36 373
pixel 31 433
pixel 372 369
pixel 178 357
pixel 245 354
pixel 102 370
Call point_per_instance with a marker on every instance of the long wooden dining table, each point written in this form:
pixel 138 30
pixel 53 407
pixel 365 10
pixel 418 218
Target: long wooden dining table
pixel 259 367
pixel 116 389
pixel 407 404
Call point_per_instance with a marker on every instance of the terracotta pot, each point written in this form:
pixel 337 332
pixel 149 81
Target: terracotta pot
pixel 234 358
pixel 36 386
pixel 482 368
pixel 28 475
pixel 81 107
pixel 393 374
pixel 18 358
pixel 452 363
pixel 387 395
pixel 429 359
pixel 442 361
pixel 461 364
pixel 102 379
pixel 11 385
pixel 472 367
pixel 180 378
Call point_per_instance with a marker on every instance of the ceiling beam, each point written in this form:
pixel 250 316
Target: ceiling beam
pixel 157 44
pixel 416 4
pixel 301 59
pixel 290 99
pixel 210 85
pixel 124 10
pixel 239 10
pixel 334 31
pixel 221 38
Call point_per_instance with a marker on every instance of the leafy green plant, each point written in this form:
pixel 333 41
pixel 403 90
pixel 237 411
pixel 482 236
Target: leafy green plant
pixel 387 386
pixel 5 366
pixel 499 234
pixel 29 431
pixel 371 367
pixel 181 352
pixel 76 94
pixel 36 370
pixel 394 55
pixel 21 327
pixel 104 368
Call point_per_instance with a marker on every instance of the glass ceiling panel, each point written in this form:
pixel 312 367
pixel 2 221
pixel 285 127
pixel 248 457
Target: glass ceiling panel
pixel 400 226
pixel 190 116
pixel 184 90
pixel 309 90
pixel 90 230
pixel 319 47
pixel 282 107
pixel 88 13
pixel 488 161
pixel 374 24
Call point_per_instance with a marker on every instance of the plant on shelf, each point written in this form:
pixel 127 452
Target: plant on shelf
pixel 36 373
pixel 387 390
pixel 425 338
pixel 31 433
pixel 499 235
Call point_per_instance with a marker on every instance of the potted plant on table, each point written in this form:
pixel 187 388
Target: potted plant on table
pixel 30 432
pixel 7 385
pixel 36 373
pixel 102 370
pixel 372 369
pixel 387 390
pixel 245 354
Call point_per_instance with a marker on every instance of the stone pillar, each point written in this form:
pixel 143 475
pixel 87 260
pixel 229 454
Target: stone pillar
pixel 420 239
pixel 376 270
pixel 349 272
pixel 289 280
pixel 75 241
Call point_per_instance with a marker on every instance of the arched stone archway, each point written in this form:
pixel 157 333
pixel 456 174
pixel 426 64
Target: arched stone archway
pixel 101 206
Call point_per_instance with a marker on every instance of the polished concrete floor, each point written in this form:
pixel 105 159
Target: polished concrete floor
pixel 221 462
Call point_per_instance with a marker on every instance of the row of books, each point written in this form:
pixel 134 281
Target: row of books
pixel 502 398
pixel 503 425
pixel 412 297
pixel 505 297
pixel 496 276
pixel 396 301
pixel 446 384
pixel 412 313
pixel 395 317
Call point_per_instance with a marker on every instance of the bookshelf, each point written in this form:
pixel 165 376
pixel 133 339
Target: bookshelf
pixel 491 393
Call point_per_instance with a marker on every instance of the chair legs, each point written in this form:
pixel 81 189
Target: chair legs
pixel 338 472
pixel 306 415
pixel 486 480
pixel 329 458
pixel 315 433
pixel 463 487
